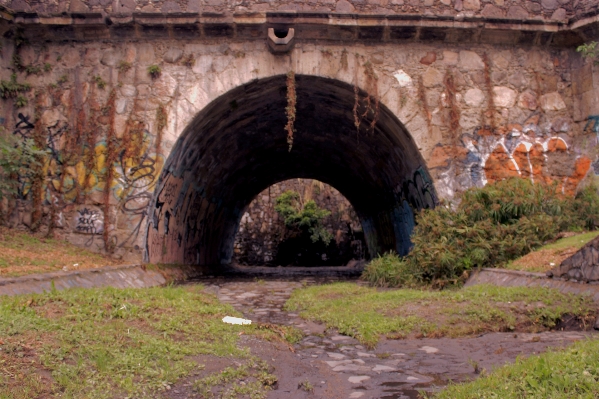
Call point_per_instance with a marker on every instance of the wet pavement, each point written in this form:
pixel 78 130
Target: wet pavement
pixel 396 369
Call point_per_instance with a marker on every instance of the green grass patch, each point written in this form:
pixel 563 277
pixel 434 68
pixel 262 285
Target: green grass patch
pixel 367 313
pixel 570 373
pixel 577 241
pixel 112 342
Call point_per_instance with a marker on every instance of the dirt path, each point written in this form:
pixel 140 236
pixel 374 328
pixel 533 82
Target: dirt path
pixel 337 366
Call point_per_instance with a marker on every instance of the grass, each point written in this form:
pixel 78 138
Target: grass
pixel 22 253
pixel 113 343
pixel 366 313
pixel 551 255
pixel 570 373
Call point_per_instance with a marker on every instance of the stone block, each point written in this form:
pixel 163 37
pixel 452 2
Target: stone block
pixel 473 5
pixel 549 4
pixel 504 97
pixel 145 54
pixel 474 97
pixel 432 77
pixel 517 12
pixel 528 100
pixel 492 11
pixel 559 15
pixel 344 7
pixel 429 58
pixel 469 60
pixel 552 102
pixel 173 55
pixel 111 57
pixel 450 58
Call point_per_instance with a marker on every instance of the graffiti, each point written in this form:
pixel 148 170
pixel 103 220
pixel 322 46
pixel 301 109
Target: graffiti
pixel 592 125
pixel 70 178
pixel 89 221
pixel 419 192
pixel 519 151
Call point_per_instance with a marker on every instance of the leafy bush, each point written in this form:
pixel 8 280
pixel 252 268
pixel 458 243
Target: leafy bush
pixel 303 218
pixel 589 50
pixel 16 159
pixel 491 226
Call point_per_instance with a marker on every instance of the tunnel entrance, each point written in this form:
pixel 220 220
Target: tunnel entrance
pixel 299 222
pixel 237 146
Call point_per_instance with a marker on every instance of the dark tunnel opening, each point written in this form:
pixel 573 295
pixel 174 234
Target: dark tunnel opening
pixel 299 222
pixel 237 146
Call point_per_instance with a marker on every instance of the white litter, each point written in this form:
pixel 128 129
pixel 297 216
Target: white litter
pixel 236 320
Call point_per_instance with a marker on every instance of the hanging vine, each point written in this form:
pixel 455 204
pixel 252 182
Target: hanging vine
pixel 37 180
pixel 161 122
pixel 370 102
pixel 489 85
pixel 290 110
pixel 111 158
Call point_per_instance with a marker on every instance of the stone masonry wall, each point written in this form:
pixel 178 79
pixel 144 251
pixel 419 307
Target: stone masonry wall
pixel 583 266
pixel 477 112
pixel 261 229
pixel 556 10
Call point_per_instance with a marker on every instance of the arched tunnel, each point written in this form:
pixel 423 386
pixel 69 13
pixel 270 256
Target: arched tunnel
pixel 237 146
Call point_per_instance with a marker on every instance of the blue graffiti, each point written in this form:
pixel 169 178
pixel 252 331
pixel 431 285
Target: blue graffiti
pixel 593 125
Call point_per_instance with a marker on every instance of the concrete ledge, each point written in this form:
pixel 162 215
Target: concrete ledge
pixel 130 276
pixel 140 276
pixel 514 278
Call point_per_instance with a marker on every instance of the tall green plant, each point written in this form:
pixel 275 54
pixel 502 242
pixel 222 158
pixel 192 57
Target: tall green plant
pixel 17 159
pixel 300 217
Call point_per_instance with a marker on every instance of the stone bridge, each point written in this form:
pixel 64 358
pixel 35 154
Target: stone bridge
pixel 164 119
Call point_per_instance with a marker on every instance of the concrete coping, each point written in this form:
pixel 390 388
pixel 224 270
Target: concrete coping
pixel 54 275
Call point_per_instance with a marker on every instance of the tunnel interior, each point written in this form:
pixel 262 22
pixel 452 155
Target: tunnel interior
pixel 237 146
pixel 299 222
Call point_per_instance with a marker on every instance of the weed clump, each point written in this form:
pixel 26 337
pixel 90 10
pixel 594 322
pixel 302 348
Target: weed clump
pixel 491 226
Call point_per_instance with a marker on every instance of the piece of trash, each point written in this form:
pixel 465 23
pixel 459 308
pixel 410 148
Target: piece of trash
pixel 235 320
pixel 64 269
pixel 551 264
pixel 76 265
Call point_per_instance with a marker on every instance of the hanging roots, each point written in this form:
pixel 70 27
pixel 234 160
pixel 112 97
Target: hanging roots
pixel 290 109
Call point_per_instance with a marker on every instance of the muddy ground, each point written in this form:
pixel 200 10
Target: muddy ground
pixel 337 366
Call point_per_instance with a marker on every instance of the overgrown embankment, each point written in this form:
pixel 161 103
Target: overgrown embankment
pixel 23 253
pixel 490 227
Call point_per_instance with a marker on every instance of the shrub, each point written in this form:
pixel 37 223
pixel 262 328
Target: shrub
pixel 17 159
pixel 491 226
pixel 303 218
pixel 589 50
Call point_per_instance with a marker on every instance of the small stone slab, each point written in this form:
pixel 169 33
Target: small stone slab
pixel 380 368
pixel 429 349
pixel 357 379
pixel 363 354
pixel 336 355
pixel 347 367
pixel 355 395
pixel 335 363
pixel 340 337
